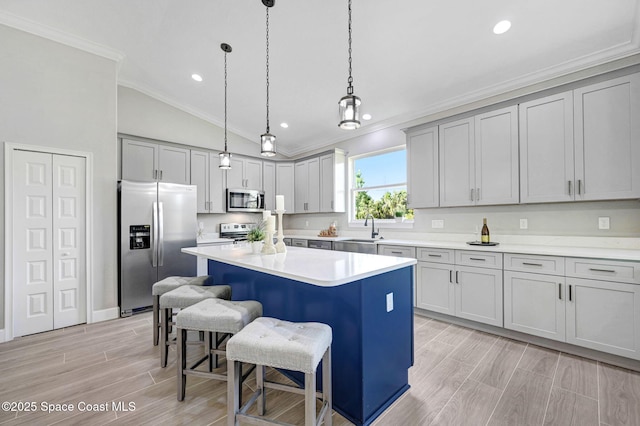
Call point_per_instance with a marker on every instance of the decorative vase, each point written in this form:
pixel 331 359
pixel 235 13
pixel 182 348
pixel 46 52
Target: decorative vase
pixel 256 246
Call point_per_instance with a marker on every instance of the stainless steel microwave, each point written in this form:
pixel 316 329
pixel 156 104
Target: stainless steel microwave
pixel 245 200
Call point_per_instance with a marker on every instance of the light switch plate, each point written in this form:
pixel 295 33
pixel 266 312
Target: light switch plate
pixel 603 223
pixel 437 224
pixel 389 302
pixel 524 223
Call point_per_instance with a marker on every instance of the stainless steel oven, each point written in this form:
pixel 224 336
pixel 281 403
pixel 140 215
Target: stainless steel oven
pixel 245 200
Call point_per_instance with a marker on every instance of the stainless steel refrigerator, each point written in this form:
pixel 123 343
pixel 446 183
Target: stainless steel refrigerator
pixel 156 220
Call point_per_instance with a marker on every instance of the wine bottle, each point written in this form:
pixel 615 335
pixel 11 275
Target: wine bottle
pixel 485 232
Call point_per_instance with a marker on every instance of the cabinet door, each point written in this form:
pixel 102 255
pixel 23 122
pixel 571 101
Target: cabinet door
pixel 326 183
pixel 496 157
pixel 200 178
pixel 269 184
pixel 174 164
pixel 253 174
pixel 139 161
pixel 235 175
pixel 301 182
pixel 604 316
pixel 478 294
pixel 313 200
pixel 217 185
pixel 607 132
pixel 534 304
pixel 285 184
pixel 434 289
pixel 546 149
pixel 422 169
pixel 457 163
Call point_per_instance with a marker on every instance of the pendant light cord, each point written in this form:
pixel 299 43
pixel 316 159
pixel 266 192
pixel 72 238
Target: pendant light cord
pixel 350 79
pixel 225 101
pixel 267 70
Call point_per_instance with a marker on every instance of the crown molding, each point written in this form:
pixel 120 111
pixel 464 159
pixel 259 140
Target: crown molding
pixel 50 33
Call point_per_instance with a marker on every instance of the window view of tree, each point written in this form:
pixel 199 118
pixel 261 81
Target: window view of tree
pixel 386 196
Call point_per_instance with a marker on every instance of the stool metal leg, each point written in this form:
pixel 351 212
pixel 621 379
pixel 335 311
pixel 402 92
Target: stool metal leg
pixel 310 399
pixel 262 399
pixel 181 345
pixel 327 387
pixel 165 318
pixel 156 319
pixel 233 391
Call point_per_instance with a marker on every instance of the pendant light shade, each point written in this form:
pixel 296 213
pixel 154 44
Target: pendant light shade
pixel 267 140
pixel 225 156
pixel 349 106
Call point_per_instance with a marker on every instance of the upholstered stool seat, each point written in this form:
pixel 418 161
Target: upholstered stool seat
pixel 210 316
pixel 166 285
pixel 280 344
pixel 179 298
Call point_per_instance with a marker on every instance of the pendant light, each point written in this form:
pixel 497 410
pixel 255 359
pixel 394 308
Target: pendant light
pixel 349 106
pixel 225 156
pixel 267 140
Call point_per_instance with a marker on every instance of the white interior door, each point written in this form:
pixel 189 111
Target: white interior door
pixel 69 286
pixel 49 227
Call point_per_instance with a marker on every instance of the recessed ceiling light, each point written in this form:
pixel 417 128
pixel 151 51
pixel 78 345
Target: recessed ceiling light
pixel 366 116
pixel 284 125
pixel 502 27
pixel 196 77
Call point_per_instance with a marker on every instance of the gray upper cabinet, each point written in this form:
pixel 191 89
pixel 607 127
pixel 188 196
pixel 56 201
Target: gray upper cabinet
pixel 422 168
pixel 269 185
pixel 245 173
pixel 332 182
pixel 607 139
pixel 546 149
pixel 285 184
pixel 149 162
pixel 209 179
pixel 307 186
pixel 479 160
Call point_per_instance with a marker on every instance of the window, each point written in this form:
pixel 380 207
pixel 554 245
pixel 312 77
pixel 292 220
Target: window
pixel 378 186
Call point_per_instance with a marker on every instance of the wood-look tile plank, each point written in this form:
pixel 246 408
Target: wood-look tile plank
pixel 427 332
pixel 570 409
pixel 471 405
pixel 474 348
pixel 427 357
pixel 453 335
pixel 419 320
pixel 497 366
pixel 619 395
pixel 539 360
pixel 577 375
pixel 524 400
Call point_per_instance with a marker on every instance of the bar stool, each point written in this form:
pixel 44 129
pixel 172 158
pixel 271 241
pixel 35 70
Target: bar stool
pixel 280 344
pixel 168 284
pixel 180 298
pixel 211 316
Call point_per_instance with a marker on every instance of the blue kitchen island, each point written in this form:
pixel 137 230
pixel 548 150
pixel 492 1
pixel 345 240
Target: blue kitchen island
pixel 366 299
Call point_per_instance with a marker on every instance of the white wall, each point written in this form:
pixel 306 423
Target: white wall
pixel 56 96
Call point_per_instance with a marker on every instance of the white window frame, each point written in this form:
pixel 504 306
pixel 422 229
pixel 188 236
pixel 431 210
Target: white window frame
pixel 351 190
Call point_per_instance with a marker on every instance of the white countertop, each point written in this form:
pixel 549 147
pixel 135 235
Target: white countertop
pixel 324 268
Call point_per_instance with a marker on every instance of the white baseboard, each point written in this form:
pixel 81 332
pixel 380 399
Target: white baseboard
pixel 2 336
pixel 106 314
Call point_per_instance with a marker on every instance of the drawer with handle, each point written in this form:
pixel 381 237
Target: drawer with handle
pixel 397 251
pixel 551 265
pixel 605 270
pixel 477 258
pixel 435 255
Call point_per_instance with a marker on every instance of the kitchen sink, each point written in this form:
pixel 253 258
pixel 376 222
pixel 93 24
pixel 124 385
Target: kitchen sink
pixel 369 241
pixel 367 246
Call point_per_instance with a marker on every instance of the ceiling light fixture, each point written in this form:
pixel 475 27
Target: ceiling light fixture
pixel 501 27
pixel 349 106
pixel 284 125
pixel 267 140
pixel 225 156
pixel 196 77
pixel 366 116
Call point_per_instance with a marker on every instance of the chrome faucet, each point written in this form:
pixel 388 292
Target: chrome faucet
pixel 373 225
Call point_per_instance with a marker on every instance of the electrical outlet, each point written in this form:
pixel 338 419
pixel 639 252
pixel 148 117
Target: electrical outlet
pixel 524 223
pixel 603 223
pixel 437 224
pixel 306 223
pixel 389 302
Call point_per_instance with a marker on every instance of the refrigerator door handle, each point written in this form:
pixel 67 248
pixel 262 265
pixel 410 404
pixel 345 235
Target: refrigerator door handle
pixel 160 234
pixel 154 235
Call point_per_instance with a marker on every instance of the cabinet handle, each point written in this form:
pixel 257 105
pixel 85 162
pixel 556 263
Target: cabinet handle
pixel 477 258
pixel 560 291
pixel 457 278
pixel 611 271
pixel 160 174
pixel 471 194
pixel 435 255
pixel 531 264
pixel 579 186
pixel 331 204
pixel 450 276
pixel 477 194
pixel 396 252
pixel 155 174
pixel 570 296
pixel 569 182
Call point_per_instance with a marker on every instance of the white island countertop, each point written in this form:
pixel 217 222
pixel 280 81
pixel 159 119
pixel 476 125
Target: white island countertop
pixel 318 267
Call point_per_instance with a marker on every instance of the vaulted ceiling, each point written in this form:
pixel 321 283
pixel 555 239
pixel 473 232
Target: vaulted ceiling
pixel 410 57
